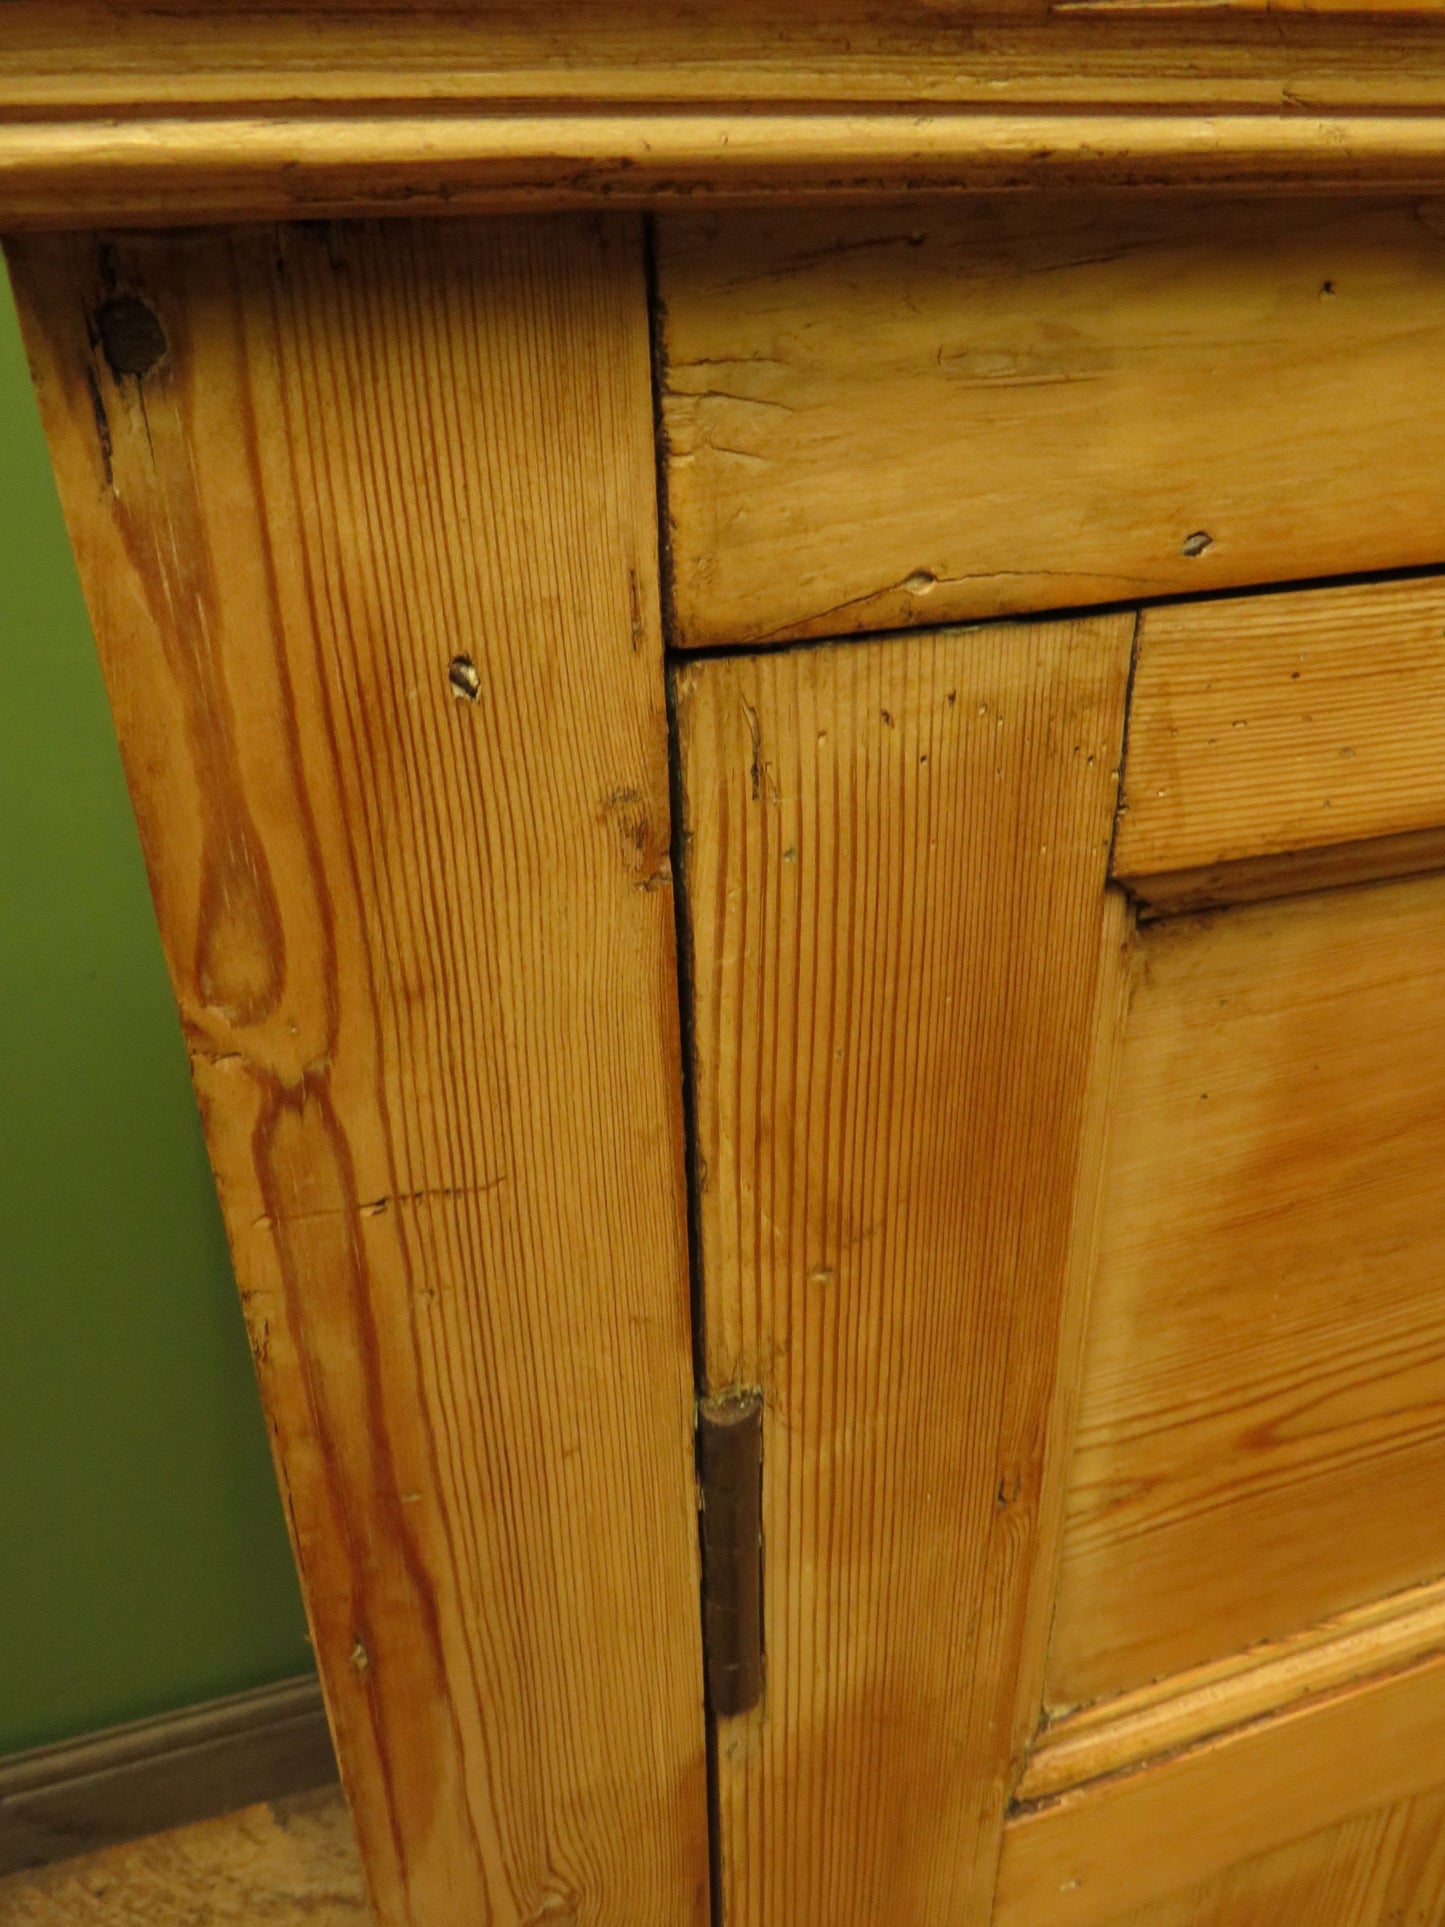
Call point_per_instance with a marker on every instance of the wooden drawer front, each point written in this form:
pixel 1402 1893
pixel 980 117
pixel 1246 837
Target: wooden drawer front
pixel 883 417
pixel 1262 1423
pixel 1285 741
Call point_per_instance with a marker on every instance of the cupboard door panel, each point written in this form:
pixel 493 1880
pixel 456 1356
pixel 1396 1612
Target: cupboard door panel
pixel 1262 1421
pixel 900 944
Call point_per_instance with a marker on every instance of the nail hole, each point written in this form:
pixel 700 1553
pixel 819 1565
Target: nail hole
pixel 1197 543
pixel 1327 290
pixel 464 679
pixel 131 336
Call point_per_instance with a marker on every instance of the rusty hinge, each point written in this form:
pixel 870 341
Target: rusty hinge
pixel 730 1465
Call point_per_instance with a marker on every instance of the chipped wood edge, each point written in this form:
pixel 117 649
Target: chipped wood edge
pixel 1171 1715
pixel 178 170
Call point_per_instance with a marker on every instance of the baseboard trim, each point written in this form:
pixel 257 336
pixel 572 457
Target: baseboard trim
pixel 192 1765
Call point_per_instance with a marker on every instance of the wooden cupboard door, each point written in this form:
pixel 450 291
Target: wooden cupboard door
pixel 903 962
pixel 1088 1268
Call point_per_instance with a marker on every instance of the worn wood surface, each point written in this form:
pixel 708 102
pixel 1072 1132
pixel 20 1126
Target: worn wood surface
pixel 921 413
pixel 1128 1843
pixel 1383 1869
pixel 1116 1735
pixel 115 112
pixel 289 1864
pixel 1285 723
pixel 895 871
pixel 366 522
pixel 1263 1408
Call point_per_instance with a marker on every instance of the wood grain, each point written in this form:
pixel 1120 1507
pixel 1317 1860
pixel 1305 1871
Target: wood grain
pixel 1111 1851
pixel 121 113
pixel 423 951
pixel 1284 723
pixel 1383 1869
pixel 1117 1735
pixel 895 870
pixel 1263 1408
pixel 922 413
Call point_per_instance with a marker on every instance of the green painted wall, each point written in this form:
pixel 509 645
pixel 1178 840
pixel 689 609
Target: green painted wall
pixel 143 1559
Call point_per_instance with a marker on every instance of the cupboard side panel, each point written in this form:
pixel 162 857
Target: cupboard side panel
pixel 365 516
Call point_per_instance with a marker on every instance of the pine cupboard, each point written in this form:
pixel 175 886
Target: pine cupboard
pixel 785 687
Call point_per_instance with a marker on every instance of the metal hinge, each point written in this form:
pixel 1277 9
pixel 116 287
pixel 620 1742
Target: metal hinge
pixel 730 1471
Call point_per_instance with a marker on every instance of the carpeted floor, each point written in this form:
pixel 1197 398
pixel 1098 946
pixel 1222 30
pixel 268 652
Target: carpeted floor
pixel 293 1864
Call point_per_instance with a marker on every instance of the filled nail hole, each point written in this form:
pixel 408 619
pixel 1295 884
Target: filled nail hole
pixel 131 336
pixel 465 681
pixel 1198 543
